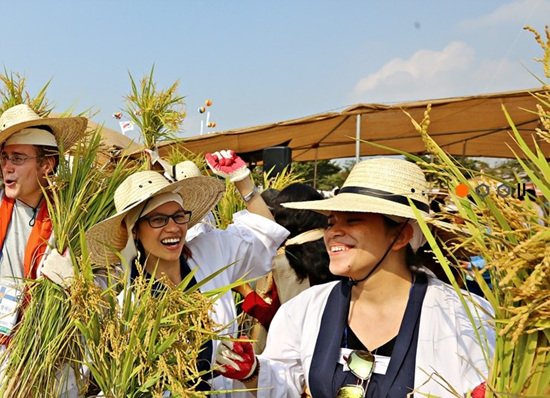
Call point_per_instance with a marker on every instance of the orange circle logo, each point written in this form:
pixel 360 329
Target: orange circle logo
pixel 462 190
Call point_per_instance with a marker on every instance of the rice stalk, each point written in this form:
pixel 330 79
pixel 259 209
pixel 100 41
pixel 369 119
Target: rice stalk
pixel 157 113
pixel 78 196
pixel 38 353
pixel 15 93
pixel 144 342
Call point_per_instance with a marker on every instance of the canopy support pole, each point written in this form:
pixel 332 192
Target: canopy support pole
pixel 315 168
pixel 357 138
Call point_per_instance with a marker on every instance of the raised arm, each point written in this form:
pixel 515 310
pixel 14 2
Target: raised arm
pixel 229 165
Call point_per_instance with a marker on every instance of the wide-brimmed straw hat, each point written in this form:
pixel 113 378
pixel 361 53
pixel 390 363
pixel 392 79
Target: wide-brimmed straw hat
pixel 200 194
pixel 379 185
pixel 66 130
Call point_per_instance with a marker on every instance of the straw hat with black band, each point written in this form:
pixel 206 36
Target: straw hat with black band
pixel 21 125
pixel 380 185
pixel 199 194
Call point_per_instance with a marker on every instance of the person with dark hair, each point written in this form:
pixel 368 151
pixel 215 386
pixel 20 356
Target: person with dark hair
pixel 392 328
pixel 269 195
pixel 301 262
pixel 309 260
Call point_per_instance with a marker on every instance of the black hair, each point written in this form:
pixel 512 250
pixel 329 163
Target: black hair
pixel 309 260
pixel 269 195
pixel 412 259
pixel 44 127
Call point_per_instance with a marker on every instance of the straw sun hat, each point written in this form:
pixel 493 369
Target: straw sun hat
pixel 66 130
pixel 199 193
pixel 379 185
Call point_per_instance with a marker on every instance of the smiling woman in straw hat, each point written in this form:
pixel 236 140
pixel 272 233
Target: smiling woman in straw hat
pixel 151 223
pixel 391 325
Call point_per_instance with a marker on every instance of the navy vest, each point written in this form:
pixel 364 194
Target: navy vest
pixel 326 374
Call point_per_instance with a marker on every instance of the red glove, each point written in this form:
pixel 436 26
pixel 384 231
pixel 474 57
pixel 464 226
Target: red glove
pixel 227 165
pixel 258 308
pixel 479 391
pixel 236 359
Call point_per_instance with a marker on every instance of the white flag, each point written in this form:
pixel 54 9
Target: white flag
pixel 126 126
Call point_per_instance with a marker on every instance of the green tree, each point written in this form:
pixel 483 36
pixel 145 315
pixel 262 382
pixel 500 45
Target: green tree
pixel 328 175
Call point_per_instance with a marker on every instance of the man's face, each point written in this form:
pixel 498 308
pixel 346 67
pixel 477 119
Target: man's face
pixel 24 181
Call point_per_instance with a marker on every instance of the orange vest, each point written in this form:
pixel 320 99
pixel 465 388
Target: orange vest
pixel 38 239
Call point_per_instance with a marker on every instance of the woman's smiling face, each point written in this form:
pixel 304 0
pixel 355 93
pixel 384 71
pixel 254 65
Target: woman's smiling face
pixel 356 242
pixel 164 244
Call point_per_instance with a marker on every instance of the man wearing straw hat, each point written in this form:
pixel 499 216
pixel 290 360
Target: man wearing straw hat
pixel 30 148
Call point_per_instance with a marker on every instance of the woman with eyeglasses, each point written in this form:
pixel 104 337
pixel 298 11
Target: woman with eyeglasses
pixel 392 328
pixel 151 224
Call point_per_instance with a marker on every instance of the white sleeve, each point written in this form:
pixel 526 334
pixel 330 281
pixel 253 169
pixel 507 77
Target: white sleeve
pixel 448 347
pixel 251 242
pixel 281 372
pixel 286 359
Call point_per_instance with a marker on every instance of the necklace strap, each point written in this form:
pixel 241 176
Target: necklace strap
pixel 354 282
pixel 32 221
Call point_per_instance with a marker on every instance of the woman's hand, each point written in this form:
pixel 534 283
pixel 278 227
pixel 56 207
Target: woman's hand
pixel 236 360
pixel 227 164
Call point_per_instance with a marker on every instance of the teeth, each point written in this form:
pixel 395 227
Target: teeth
pixel 170 241
pixel 337 249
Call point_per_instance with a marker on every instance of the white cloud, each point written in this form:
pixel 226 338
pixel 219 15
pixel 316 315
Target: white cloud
pixel 428 74
pixel 422 65
pixel 424 69
pixel 526 12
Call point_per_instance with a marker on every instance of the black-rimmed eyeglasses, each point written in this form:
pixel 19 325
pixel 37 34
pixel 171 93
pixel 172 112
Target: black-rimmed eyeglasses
pixel 160 220
pixel 361 365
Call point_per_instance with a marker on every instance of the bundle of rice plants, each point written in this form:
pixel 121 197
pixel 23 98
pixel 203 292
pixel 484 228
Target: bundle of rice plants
pixel 514 240
pixel 506 232
pixel 15 93
pixel 157 113
pixel 144 342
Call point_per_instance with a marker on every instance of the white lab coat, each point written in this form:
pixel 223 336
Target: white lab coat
pixel 446 344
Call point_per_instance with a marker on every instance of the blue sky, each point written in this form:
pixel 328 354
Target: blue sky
pixel 262 62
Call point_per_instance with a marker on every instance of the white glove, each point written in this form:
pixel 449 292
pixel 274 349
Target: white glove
pixel 228 165
pixel 58 268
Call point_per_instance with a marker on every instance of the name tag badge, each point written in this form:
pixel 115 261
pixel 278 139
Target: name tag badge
pixel 381 362
pixel 9 306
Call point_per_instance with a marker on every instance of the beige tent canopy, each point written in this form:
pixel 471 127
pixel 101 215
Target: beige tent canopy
pixel 113 143
pixel 474 126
